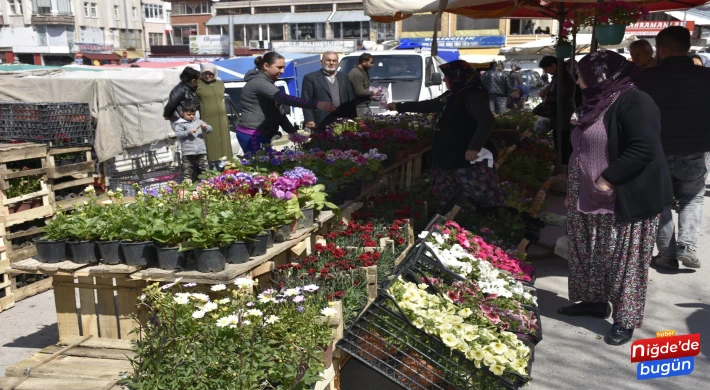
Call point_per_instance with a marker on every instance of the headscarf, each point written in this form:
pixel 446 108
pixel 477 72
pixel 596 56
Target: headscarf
pixel 607 75
pixel 208 67
pixel 703 59
pixel 461 76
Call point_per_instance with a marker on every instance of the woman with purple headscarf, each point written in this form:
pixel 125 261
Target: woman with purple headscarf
pixel 618 184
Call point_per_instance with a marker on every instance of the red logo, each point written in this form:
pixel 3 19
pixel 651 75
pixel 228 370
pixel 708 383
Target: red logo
pixel 665 348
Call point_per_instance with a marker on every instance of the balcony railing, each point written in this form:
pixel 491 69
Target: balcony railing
pixel 53 19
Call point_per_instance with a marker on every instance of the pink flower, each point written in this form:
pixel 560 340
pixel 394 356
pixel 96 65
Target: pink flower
pixel 563 33
pixel 567 24
pixel 494 318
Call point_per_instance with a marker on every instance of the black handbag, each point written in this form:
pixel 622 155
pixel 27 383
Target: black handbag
pixel 544 109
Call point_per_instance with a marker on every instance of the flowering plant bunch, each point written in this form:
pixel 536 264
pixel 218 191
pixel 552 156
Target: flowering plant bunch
pixel 362 234
pixel 389 141
pixel 609 13
pixel 461 330
pixel 231 339
pixel 526 170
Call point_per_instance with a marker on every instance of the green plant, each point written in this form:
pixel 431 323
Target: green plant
pixel 23 185
pixel 230 341
pixel 314 196
pixel 56 228
pixel 110 225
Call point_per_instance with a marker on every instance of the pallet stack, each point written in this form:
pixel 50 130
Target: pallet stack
pixel 7 298
pixel 76 175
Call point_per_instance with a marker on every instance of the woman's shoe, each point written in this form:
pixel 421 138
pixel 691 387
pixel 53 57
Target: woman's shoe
pixel 618 335
pixel 587 309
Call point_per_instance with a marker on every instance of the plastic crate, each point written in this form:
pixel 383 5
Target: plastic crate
pixel 57 124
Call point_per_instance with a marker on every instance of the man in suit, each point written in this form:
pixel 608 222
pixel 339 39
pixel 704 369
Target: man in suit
pixel 328 85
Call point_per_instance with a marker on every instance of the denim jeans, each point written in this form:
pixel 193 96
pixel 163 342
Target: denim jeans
pixel 688 173
pixel 497 104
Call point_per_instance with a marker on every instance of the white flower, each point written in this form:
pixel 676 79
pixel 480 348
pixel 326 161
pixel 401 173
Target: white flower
pixel 198 314
pixel 423 234
pixel 299 299
pixel 329 312
pixel 190 285
pixel 201 297
pixel 244 283
pixel 499 348
pixel 143 297
pixel 254 313
pixel 209 306
pixel 266 298
pixel 311 288
pixel 291 292
pixel 182 298
pixel 465 313
pixel 272 320
pixel 218 287
pixel 449 339
pixel 497 369
pixel 222 322
pixel 90 190
pixel 224 301
pixel 246 322
pixel 119 190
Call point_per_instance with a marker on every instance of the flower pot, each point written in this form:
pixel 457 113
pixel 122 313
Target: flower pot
pixel 610 35
pixel 110 252
pixel 259 244
pixel 19 207
pixel 282 234
pixel 293 226
pixel 337 198
pixel 270 242
pixel 563 51
pixel 353 191
pixel 328 356
pixel 210 260
pixel 83 252
pixel 51 251
pixel 35 203
pixel 307 220
pixel 171 258
pixel 237 252
pixel 140 254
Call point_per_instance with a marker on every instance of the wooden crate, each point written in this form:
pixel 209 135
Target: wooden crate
pixel 32 154
pixel 23 291
pixel 79 184
pixel 55 172
pixel 17 254
pixel 76 363
pixel 7 298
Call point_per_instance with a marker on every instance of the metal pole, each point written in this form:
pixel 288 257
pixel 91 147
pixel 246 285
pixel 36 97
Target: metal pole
pixel 560 114
pixel 595 44
pixel 231 36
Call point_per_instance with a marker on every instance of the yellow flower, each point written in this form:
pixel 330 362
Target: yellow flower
pixel 450 340
pixel 497 369
pixel 499 348
pixel 465 313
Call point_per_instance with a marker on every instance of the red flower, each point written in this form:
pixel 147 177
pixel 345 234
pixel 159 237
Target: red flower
pixel 324 270
pixel 339 294
pixel 311 271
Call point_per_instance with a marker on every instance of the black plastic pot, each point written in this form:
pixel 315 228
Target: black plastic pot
pixel 270 242
pixel 283 233
pixel 110 252
pixel 353 191
pixel 140 254
pixel 210 260
pixel 337 198
pixel 237 252
pixel 49 251
pixel 171 258
pixel 83 252
pixel 307 220
pixel 259 244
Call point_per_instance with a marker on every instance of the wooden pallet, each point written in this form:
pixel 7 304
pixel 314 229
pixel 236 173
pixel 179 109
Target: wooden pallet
pixel 7 298
pixel 55 172
pixel 31 289
pixel 80 183
pixel 22 253
pixel 76 363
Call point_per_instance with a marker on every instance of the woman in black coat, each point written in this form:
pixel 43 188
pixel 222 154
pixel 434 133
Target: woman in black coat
pixel 618 185
pixel 464 123
pixel 182 92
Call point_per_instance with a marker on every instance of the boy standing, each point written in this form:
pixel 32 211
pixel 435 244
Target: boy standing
pixel 189 130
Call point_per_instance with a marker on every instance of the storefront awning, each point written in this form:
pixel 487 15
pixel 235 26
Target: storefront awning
pixel 701 18
pixel 223 20
pixel 309 17
pixel 349 16
pixel 102 57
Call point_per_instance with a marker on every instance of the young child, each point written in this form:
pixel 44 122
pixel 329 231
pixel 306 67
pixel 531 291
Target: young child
pixel 189 130
pixel 516 100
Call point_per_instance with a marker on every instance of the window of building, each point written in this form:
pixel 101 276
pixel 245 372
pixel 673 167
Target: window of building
pixel 131 39
pixel 307 31
pixel 351 30
pixel 184 8
pixel 116 12
pixel 385 31
pixel 155 39
pixel 314 8
pixel 181 34
pixel 86 9
pixel 153 11
pixel 217 30
pixel 416 23
pixel 349 6
pixel 135 14
pixel 272 10
pixel 94 10
pixel 252 32
pixel 42 7
pixel 276 32
pixel 15 7
pixel 466 23
pixel 237 11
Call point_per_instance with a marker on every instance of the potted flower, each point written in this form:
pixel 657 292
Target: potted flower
pixel 136 243
pixel 82 236
pixel 110 227
pixel 310 199
pixel 51 246
pixel 207 234
pixel 612 19
pixel 280 216
pixel 242 221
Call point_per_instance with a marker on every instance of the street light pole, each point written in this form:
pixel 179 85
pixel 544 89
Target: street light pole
pixel 231 36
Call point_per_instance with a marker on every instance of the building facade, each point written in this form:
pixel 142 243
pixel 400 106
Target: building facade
pixel 56 32
pixel 156 23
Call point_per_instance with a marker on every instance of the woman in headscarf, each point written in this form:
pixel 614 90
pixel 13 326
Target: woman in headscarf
pixel 701 61
pixel 210 91
pixel 618 185
pixel 463 125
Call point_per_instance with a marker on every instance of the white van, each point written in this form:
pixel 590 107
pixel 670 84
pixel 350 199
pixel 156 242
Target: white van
pixel 413 74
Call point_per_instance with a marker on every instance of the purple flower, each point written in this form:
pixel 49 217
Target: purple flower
pixel 300 309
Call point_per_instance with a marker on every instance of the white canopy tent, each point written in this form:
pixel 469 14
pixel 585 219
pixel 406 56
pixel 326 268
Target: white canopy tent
pixel 547 46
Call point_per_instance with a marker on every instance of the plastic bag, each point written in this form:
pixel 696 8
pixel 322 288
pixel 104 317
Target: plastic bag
pixel 383 95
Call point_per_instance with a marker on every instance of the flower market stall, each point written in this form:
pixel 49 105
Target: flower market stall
pixel 282 245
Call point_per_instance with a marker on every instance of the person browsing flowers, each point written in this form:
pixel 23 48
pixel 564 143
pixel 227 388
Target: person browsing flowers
pixel 261 103
pixel 464 123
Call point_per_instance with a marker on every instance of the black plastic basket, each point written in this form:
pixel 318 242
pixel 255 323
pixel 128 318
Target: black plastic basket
pixel 385 340
pixel 145 171
pixel 58 124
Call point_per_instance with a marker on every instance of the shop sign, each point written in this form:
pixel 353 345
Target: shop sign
pixel 462 42
pixel 338 46
pixel 209 44
pixel 654 27
pixel 92 48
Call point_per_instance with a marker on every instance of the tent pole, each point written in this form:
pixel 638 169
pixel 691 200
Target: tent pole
pixel 560 77
pixel 595 44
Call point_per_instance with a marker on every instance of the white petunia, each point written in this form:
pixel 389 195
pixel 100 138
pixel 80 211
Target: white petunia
pixel 272 320
pixel 329 312
pixel 254 313
pixel 218 287
pixel 198 314
pixel 499 348
pixel 497 369
pixel 449 339
pixel 209 306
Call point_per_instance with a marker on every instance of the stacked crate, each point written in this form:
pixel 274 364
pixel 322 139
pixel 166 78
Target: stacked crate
pixel 7 299
pixel 74 176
